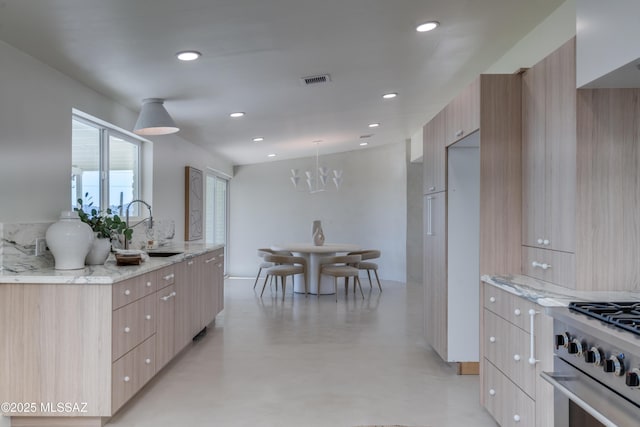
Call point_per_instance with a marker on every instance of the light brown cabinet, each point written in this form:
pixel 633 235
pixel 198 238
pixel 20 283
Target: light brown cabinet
pixel 549 152
pixel 434 155
pixel 511 387
pixel 462 114
pixel 499 99
pixel 109 340
pixel 608 194
pixel 132 371
pixel 212 286
pixel 435 272
pixel 166 317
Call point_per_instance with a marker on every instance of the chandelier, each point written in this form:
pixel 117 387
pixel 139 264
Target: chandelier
pixel 317 179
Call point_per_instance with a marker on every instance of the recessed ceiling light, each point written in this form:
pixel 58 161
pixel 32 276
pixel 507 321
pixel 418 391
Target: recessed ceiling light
pixel 389 95
pixel 188 55
pixel 427 26
pixel 258 139
pixel 271 155
pixel 236 114
pixel 374 125
pixel 364 143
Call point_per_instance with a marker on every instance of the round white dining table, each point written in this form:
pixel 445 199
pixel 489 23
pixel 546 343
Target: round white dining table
pixel 314 254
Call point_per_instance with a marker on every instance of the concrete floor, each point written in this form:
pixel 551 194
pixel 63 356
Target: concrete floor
pixel 310 362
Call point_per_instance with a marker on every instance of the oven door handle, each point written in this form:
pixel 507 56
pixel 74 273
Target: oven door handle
pixel 556 379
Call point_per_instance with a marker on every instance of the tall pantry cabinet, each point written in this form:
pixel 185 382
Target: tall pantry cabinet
pixel 549 167
pixel 489 110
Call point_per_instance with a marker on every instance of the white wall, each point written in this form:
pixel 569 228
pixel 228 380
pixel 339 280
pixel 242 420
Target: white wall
pixel 607 39
pixel 546 37
pixel 369 210
pixel 36 103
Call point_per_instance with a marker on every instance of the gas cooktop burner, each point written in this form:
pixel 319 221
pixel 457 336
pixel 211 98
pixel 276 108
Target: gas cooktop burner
pixel 625 315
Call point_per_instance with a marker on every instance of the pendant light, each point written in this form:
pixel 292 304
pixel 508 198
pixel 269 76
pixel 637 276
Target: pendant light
pixel 154 119
pixel 317 179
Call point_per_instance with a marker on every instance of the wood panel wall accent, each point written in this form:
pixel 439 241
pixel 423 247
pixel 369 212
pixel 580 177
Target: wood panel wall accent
pixel 67 358
pixel 608 189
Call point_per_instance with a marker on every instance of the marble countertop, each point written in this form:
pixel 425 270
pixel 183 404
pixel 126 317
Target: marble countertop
pixel 548 295
pixel 19 268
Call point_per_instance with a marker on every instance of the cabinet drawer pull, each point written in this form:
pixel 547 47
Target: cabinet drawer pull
pixel 207 261
pixel 147 361
pixel 492 299
pixel 532 342
pixel 148 284
pixel 543 265
pixel 148 317
pixel 127 292
pixel 190 263
pixel 432 188
pixel 127 329
pixel 168 297
pixel 430 216
pixel 517 312
pixel 459 133
pixel 492 392
pixel 126 379
pixel 516 357
pixel 492 339
pixel 219 265
pixel 544 242
pixel 516 418
pixel 169 276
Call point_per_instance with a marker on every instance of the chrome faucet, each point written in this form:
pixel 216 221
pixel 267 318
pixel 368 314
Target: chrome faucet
pixel 150 219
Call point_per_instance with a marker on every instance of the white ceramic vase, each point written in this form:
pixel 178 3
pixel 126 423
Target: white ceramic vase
pixel 99 251
pixel 317 233
pixel 69 240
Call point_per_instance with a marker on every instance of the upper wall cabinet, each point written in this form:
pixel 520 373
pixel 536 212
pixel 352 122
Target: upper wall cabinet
pixel 607 43
pixel 462 114
pixel 549 152
pixel 434 155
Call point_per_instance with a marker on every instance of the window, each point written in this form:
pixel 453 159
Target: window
pixel 216 197
pixel 105 165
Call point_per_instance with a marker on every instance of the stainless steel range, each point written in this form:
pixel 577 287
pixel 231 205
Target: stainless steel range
pixel 597 364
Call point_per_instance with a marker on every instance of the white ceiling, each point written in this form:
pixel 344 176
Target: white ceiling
pixel 256 51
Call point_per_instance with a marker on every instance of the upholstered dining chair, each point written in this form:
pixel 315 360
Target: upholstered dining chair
pixel 264 264
pixel 368 265
pixel 340 266
pixel 283 266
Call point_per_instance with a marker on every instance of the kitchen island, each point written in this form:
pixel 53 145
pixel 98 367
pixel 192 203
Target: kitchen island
pixel 76 345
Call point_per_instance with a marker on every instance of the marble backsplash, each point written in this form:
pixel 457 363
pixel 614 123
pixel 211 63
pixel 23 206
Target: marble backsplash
pixel 18 243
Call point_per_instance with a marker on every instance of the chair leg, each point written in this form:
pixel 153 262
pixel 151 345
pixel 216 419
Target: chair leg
pixel 369 274
pixel 284 285
pixel 257 277
pixel 346 285
pixel 359 286
pixel 335 286
pixel 266 278
pixel 319 282
pixel 306 286
pixel 378 279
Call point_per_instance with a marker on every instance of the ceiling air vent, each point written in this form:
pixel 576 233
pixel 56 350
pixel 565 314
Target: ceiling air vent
pixel 320 78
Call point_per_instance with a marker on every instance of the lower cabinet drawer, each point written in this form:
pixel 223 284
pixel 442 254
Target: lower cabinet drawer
pixel 506 403
pixel 507 347
pixel 132 371
pixel 550 266
pixel 132 324
pixel 508 306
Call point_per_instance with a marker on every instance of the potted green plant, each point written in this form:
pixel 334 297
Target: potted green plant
pixel 106 225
